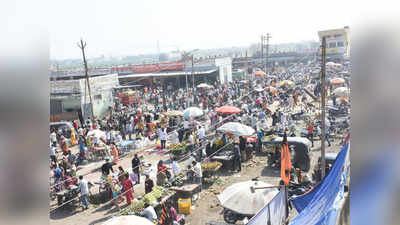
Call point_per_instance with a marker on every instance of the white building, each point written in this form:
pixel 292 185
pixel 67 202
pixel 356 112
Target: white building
pixel 72 96
pixel 225 69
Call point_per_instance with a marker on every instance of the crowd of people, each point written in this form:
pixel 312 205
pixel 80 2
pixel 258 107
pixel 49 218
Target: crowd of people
pixel 271 110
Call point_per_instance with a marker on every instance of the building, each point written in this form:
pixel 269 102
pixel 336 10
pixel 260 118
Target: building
pixel 337 41
pixel 179 75
pixel 69 99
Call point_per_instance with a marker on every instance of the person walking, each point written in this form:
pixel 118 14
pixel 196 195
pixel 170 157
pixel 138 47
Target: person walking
pixel 136 167
pixel 163 137
pixel 237 158
pixel 128 189
pixel 198 174
pixel 83 185
pixel 310 133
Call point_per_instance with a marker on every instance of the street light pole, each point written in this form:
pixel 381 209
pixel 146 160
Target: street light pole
pixel 193 76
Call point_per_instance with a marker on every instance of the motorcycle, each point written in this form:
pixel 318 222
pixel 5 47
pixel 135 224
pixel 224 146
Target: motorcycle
pixel 232 217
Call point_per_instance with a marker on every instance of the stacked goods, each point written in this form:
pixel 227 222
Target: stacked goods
pixel 177 147
pixel 178 181
pixel 154 195
pixel 128 100
pixel 210 166
pixel 152 198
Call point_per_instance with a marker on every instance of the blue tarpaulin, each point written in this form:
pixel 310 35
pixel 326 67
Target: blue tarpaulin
pixel 274 213
pixel 320 205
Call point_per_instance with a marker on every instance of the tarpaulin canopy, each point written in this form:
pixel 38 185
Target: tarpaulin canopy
pixel 192 112
pixel 237 129
pixel 337 80
pixel 274 213
pixel 259 73
pixel 228 110
pixel 317 207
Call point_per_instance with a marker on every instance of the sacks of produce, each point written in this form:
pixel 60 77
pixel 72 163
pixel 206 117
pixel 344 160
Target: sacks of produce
pixel 210 166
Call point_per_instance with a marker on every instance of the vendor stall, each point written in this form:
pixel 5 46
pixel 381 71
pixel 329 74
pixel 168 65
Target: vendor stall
pixel 186 191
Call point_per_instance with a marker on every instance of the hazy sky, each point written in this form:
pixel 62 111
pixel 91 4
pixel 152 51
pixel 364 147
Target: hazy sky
pixel 113 27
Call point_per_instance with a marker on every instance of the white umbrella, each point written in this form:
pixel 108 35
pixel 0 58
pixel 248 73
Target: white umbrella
pixel 259 89
pixel 128 220
pixel 204 85
pixel 97 133
pixel 341 92
pixel 174 113
pixel 192 112
pixel 237 129
pixel 240 198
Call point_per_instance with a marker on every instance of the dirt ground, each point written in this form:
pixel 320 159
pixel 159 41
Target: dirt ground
pixel 207 208
pixel 204 210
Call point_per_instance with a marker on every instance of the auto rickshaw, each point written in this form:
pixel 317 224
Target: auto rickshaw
pixel 301 150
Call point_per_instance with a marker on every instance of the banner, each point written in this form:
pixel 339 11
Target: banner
pixel 320 206
pixel 274 213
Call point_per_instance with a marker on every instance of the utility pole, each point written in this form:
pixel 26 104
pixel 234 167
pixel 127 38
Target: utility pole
pixel 82 46
pixel 262 48
pixel 323 84
pixel 267 52
pixel 193 73
pixel 247 67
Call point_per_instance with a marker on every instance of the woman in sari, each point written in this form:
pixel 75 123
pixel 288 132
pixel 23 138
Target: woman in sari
pixel 128 189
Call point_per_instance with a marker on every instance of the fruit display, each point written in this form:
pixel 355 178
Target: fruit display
pixel 152 198
pixel 154 195
pixel 210 166
pixel 177 146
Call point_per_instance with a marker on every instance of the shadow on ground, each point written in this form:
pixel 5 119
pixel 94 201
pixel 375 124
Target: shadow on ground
pixel 270 172
pixel 100 221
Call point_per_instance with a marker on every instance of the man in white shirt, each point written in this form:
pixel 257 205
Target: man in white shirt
pixel 198 174
pixel 175 168
pixel 53 138
pixel 185 124
pixel 191 142
pixel 53 154
pixel 163 137
pixel 201 134
pixel 83 185
pixel 149 212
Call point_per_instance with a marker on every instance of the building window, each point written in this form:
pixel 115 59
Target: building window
pixel 97 97
pixel 332 45
pixel 340 44
pixel 337 35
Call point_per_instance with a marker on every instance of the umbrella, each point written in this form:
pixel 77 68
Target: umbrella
pixel 174 113
pixel 125 220
pixel 204 85
pixel 286 82
pixel 337 80
pixel 228 110
pixel 192 112
pixel 259 73
pixel 97 133
pixel 237 129
pixel 240 198
pixel 259 89
pixel 341 92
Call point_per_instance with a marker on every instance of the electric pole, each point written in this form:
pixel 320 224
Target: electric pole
pixel 193 75
pixel 262 49
pixel 267 52
pixel 82 46
pixel 323 84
